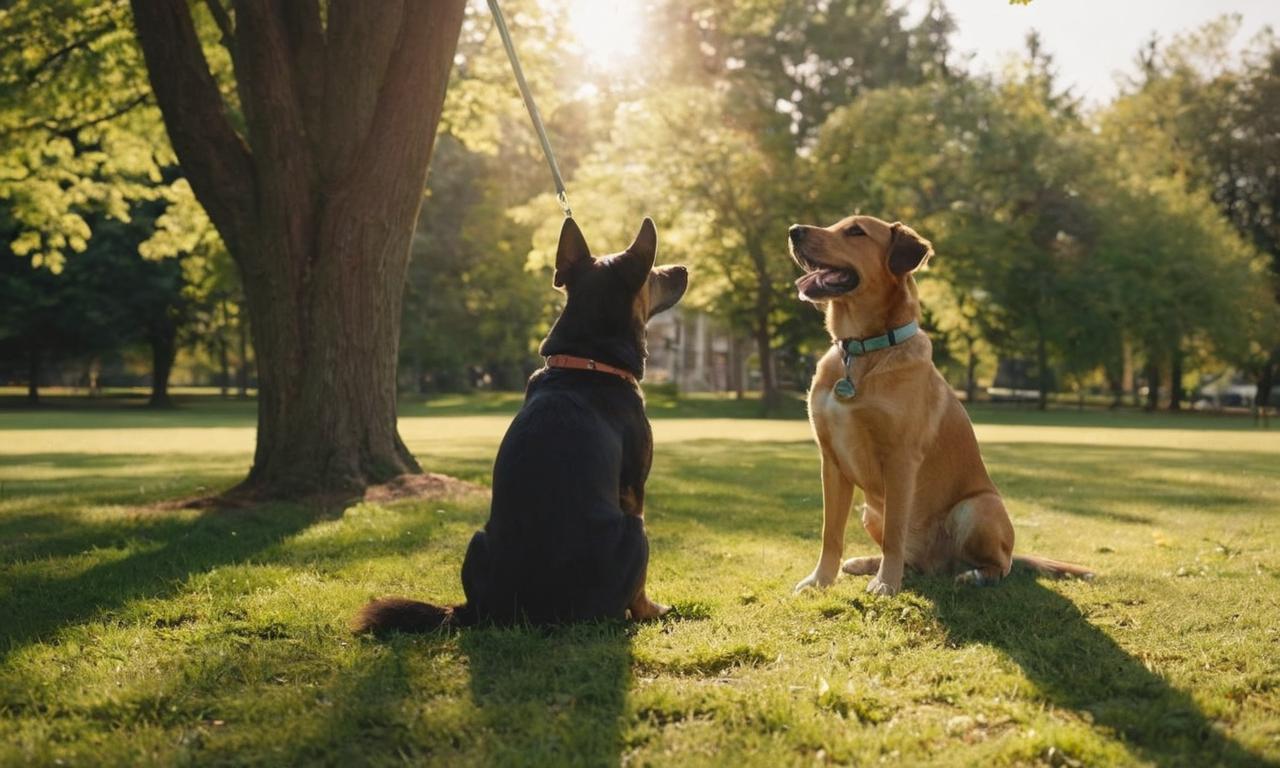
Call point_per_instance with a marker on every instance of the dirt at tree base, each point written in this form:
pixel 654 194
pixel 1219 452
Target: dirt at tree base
pixel 427 485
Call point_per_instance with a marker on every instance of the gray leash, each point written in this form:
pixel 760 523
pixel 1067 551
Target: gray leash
pixel 561 196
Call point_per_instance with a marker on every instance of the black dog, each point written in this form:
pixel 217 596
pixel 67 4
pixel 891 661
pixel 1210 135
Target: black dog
pixel 565 539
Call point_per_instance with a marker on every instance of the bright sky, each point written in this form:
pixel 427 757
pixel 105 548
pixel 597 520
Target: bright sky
pixel 1091 40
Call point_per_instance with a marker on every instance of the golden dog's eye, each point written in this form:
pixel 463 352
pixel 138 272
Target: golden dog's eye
pixel 853 231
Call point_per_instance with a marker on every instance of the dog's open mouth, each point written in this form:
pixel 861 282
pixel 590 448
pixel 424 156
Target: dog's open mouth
pixel 823 282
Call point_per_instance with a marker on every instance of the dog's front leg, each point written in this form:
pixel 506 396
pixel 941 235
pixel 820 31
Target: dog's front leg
pixel 899 501
pixel 837 497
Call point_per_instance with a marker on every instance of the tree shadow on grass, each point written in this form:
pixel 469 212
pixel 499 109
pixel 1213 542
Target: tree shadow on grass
pixel 373 711
pixel 36 606
pixel 554 696
pixel 61 480
pixel 1075 665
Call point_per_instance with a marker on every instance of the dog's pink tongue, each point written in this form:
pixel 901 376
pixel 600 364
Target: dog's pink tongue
pixel 820 282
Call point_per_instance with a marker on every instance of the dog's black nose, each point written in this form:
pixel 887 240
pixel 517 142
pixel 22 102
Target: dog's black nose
pixel 797 233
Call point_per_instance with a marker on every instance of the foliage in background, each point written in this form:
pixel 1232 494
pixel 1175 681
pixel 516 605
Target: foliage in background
pixel 1121 248
pixel 87 175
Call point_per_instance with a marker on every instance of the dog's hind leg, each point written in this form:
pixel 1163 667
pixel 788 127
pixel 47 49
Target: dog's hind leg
pixel 477 572
pixel 982 535
pixel 634 566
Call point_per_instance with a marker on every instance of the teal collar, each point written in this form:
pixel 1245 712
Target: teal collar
pixel 852 348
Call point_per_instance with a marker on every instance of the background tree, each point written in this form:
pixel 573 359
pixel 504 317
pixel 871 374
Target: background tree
pixel 315 195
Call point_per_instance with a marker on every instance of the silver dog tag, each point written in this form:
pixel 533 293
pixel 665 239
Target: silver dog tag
pixel 844 389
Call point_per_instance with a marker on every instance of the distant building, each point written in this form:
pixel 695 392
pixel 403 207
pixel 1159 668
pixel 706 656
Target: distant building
pixel 695 351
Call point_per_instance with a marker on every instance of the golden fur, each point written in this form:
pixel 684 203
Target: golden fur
pixel 904 439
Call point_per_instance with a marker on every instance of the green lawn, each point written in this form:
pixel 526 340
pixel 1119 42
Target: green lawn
pixel 135 634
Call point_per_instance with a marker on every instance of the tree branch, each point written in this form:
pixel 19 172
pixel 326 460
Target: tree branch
pixel 406 108
pixel 223 20
pixel 213 156
pixel 54 126
pixel 125 108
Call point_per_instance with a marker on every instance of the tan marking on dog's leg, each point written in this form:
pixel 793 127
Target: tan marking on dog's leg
pixel 631 502
pixel 641 607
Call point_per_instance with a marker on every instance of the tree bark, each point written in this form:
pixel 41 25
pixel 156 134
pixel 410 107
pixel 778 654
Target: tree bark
pixel 164 347
pixel 317 205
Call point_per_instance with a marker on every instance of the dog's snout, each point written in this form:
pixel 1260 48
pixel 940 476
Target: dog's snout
pixel 797 233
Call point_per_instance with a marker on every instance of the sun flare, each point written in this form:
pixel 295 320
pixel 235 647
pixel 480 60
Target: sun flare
pixel 607 30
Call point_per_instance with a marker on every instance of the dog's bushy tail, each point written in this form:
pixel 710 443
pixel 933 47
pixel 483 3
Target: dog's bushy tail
pixel 1054 568
pixel 400 614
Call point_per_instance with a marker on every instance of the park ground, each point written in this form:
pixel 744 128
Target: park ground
pixel 134 632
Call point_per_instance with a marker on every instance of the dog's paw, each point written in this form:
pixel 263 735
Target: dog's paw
pixel 878 587
pixel 814 580
pixel 861 566
pixel 647 610
pixel 974 578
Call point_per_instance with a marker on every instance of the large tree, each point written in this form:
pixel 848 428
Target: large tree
pixel 314 184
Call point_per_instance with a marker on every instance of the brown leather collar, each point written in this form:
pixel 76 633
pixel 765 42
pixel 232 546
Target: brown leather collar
pixel 587 364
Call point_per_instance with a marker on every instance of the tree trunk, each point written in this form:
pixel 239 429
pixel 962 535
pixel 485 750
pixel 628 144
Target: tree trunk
pixel 1153 385
pixel 1175 379
pixel 764 351
pixel 1042 364
pixel 1135 396
pixel 224 366
pixel 164 348
pixel 242 370
pixel 317 205
pixel 769 394
pixel 1262 395
pixel 1115 382
pixel 33 376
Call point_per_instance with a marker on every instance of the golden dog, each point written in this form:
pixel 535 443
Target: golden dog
pixel 887 422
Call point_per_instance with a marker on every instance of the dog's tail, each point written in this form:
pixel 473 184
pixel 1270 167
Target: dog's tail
pixel 400 614
pixel 1054 568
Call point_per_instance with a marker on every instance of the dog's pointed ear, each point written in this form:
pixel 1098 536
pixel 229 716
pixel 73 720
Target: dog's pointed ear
pixel 571 252
pixel 666 287
pixel 907 250
pixel 638 259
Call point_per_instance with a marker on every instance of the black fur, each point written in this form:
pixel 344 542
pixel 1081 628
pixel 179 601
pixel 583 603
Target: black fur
pixel 565 539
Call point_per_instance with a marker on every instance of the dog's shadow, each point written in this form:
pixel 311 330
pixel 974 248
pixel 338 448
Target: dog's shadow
pixel 1076 666
pixel 551 696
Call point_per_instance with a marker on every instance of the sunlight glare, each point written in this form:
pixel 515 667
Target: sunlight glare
pixel 607 30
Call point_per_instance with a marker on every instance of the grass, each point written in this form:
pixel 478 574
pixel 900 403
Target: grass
pixel 132 634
